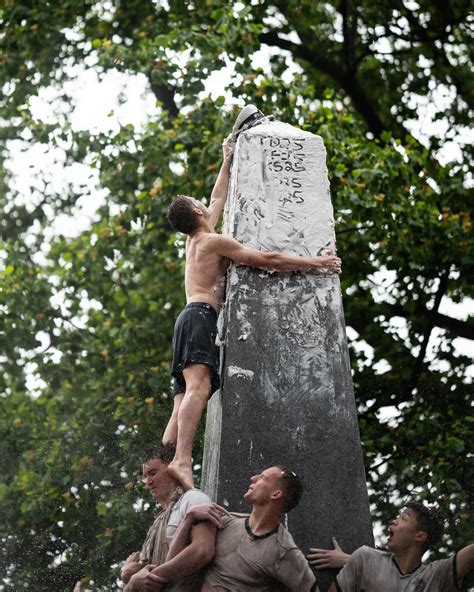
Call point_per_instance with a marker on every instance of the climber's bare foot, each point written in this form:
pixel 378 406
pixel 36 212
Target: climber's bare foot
pixel 183 473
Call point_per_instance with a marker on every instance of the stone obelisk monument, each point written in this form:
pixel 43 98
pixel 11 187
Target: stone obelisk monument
pixel 286 393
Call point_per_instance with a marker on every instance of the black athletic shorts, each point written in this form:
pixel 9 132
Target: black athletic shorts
pixel 194 342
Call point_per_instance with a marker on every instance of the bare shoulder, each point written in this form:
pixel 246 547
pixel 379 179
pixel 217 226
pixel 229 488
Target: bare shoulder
pixel 218 243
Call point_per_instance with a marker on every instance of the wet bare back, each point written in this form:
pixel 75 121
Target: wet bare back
pixel 205 271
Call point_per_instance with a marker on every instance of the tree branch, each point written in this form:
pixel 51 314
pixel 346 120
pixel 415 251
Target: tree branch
pixel 353 229
pixel 417 368
pixel 459 328
pixel 349 27
pixel 165 94
pixel 345 79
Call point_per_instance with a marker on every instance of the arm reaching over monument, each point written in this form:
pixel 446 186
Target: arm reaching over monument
pixel 411 534
pixel 219 192
pixel 233 250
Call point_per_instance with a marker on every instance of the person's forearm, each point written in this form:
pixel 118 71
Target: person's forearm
pixel 145 579
pixel 219 192
pixel 130 569
pixel 189 561
pixel 293 263
pixel 181 537
pixel 186 559
pixel 284 262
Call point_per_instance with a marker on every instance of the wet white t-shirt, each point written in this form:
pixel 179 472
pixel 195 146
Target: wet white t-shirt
pixel 190 498
pixel 193 497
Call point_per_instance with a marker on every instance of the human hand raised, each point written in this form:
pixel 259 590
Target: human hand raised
pixel 228 146
pixel 328 558
pixel 210 512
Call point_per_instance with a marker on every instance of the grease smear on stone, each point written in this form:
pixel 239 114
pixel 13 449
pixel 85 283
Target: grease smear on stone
pixel 279 200
pixel 236 371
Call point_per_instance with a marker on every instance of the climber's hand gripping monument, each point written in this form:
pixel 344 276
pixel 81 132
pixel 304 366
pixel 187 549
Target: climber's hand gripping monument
pixel 196 356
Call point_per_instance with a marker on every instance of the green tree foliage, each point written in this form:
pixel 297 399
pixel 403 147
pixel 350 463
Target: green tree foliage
pixel 91 317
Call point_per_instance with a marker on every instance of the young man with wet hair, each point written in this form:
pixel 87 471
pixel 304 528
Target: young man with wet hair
pixel 291 486
pixel 415 530
pixel 254 551
pixel 149 569
pixel 195 365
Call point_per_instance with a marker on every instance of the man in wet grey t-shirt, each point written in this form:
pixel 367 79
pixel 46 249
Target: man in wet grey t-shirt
pixel 254 551
pixel 413 532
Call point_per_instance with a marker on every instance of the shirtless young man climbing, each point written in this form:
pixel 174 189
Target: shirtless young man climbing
pixel 196 357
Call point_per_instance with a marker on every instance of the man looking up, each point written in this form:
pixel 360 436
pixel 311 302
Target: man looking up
pixel 415 530
pixel 196 357
pixel 253 552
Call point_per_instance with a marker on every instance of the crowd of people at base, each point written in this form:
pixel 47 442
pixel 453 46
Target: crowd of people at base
pixel 197 545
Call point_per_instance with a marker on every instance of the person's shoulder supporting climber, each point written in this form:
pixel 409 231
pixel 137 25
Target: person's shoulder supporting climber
pixel 254 551
pixel 149 568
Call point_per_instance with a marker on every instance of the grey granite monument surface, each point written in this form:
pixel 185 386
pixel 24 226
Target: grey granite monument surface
pixel 287 394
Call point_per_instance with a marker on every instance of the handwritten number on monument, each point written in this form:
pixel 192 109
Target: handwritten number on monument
pixel 287 156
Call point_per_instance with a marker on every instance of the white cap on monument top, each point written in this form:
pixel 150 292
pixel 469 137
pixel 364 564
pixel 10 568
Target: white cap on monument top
pixel 246 117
